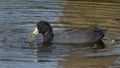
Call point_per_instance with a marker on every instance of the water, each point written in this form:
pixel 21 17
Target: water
pixel 18 18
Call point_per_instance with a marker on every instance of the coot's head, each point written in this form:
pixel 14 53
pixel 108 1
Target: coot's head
pixel 45 29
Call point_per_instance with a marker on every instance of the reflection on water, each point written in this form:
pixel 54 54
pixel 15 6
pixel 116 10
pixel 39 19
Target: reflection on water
pixel 30 11
pixel 86 13
pixel 17 20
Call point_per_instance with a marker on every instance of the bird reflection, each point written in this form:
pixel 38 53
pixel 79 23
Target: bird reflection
pixel 47 49
pixel 98 45
pixel 44 47
pixel 47 46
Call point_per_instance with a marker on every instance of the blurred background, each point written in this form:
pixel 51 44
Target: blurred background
pixel 17 21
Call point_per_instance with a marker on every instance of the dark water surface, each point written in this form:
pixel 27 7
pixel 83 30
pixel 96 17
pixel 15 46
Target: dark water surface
pixel 18 18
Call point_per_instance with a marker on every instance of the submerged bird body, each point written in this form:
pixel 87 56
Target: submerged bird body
pixel 83 35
